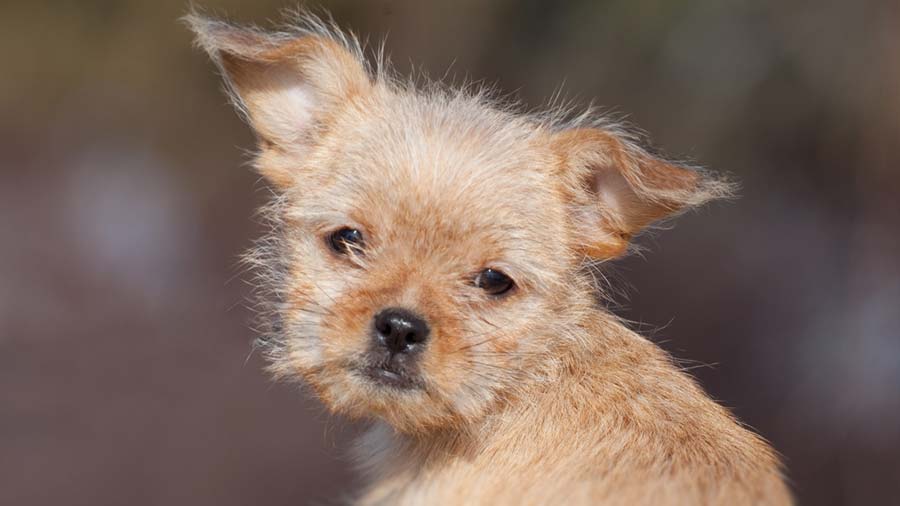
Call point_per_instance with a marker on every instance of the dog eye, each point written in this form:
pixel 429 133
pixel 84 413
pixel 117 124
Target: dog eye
pixel 494 282
pixel 346 239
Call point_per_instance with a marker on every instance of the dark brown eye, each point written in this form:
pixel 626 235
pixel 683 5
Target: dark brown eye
pixel 346 239
pixel 494 282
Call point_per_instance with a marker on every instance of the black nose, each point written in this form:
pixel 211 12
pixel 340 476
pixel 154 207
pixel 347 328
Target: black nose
pixel 399 330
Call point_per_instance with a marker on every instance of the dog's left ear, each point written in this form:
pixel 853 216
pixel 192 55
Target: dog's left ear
pixel 617 189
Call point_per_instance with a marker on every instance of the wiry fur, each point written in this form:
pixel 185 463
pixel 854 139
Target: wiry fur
pixel 534 398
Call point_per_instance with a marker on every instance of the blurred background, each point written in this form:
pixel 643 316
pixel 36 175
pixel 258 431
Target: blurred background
pixel 125 368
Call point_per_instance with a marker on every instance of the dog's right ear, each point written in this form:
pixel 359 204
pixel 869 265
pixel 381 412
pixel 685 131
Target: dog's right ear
pixel 284 84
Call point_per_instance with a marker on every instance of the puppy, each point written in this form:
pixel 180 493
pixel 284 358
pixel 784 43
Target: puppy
pixel 430 268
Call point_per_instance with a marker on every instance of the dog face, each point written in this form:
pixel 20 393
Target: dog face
pixel 426 246
pixel 429 251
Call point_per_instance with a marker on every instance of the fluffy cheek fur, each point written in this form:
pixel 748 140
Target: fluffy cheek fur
pixel 479 351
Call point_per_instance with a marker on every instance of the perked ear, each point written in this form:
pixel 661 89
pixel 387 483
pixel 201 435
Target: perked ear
pixel 284 83
pixel 619 189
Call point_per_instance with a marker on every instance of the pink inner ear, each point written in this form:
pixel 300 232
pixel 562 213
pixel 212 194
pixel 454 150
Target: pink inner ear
pixel 626 212
pixel 280 102
pixel 613 191
pixel 288 112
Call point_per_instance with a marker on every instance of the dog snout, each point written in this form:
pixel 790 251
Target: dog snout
pixel 400 330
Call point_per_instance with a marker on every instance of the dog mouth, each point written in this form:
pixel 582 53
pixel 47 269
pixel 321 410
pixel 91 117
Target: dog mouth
pixel 391 375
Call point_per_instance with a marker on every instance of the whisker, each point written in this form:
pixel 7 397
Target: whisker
pixel 324 292
pixel 314 303
pixel 469 346
pixel 490 366
pixel 310 311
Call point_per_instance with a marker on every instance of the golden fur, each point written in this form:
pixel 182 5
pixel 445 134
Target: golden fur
pixel 538 397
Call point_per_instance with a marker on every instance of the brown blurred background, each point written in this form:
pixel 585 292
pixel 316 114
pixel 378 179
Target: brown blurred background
pixel 124 203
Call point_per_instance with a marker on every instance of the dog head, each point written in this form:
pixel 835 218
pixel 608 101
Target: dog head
pixel 429 247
